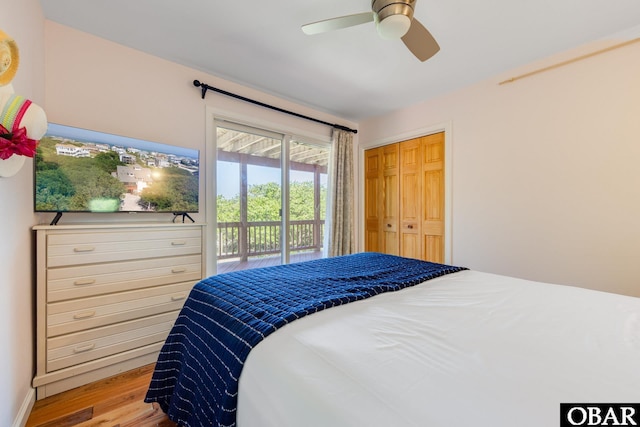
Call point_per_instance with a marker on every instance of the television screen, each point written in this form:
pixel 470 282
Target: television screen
pixel 79 170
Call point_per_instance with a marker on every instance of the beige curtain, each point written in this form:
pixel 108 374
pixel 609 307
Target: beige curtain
pixel 340 199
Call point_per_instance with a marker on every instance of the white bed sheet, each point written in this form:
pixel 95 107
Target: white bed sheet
pixel 466 349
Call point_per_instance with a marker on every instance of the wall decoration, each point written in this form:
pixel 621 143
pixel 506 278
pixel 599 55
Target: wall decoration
pixel 22 123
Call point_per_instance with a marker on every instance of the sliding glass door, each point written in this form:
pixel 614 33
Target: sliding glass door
pixel 267 183
pixel 307 199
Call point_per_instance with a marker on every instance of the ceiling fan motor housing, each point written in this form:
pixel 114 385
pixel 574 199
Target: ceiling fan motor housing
pixel 393 17
pixel 386 8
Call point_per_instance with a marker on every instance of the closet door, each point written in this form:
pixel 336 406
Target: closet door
pixel 433 197
pixel 410 198
pixel 404 198
pixel 373 199
pixel 391 199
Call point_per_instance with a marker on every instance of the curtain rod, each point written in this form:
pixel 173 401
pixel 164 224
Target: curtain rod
pixel 205 87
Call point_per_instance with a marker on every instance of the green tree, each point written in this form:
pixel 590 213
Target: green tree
pixel 173 189
pixel 99 192
pixel 108 161
pixel 228 210
pixel 53 188
pixel 301 201
pixel 263 202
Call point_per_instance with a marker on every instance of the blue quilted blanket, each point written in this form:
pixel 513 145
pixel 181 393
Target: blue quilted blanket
pixel 196 377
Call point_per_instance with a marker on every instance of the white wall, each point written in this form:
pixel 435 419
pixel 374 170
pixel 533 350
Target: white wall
pixel 23 21
pixel 546 170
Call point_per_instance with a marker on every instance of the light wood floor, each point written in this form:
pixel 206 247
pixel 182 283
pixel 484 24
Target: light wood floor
pixel 113 402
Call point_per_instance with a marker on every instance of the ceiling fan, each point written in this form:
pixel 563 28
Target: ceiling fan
pixel 394 20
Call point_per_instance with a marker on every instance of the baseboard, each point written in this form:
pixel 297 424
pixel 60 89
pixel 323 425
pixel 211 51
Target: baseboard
pixel 25 409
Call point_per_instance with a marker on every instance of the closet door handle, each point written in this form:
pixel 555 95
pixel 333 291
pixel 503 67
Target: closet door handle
pixel 84 282
pixel 84 349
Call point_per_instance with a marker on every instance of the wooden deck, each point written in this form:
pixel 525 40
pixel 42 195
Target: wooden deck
pixel 228 265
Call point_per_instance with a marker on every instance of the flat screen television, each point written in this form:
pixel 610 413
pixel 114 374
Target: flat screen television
pixel 80 170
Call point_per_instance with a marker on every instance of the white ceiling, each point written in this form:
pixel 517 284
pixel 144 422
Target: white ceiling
pixel 350 73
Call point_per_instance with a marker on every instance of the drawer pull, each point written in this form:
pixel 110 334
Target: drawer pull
pixel 388 225
pixel 84 249
pixel 84 315
pixel 178 243
pixel 179 270
pixel 410 227
pixel 177 297
pixel 84 349
pixel 84 282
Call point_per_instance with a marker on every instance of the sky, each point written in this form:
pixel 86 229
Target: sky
pixel 85 135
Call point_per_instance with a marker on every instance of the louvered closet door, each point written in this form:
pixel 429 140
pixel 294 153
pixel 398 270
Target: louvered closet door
pixel 373 199
pixel 433 197
pixel 391 199
pixel 410 198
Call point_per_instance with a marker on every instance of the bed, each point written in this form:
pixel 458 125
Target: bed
pixel 394 342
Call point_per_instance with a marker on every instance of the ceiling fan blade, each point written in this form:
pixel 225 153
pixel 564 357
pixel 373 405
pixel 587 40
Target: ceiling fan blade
pixel 337 23
pixel 420 41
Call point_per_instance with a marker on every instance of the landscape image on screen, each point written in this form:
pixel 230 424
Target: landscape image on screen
pixel 78 170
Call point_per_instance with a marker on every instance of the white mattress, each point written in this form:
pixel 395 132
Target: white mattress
pixel 466 349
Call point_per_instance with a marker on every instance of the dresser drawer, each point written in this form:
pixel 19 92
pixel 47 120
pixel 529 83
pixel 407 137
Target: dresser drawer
pixel 81 347
pixel 90 280
pixel 81 314
pixel 87 248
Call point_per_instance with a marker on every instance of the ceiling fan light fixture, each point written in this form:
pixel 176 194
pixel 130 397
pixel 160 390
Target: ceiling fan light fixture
pixel 393 19
pixel 394 27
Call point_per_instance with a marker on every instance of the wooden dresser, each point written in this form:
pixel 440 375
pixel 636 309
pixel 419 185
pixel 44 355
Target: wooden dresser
pixel 107 296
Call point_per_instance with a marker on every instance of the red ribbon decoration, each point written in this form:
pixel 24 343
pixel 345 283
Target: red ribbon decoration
pixel 16 143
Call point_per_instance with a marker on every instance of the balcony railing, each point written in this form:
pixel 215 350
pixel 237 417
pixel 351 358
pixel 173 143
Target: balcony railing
pixel 263 238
